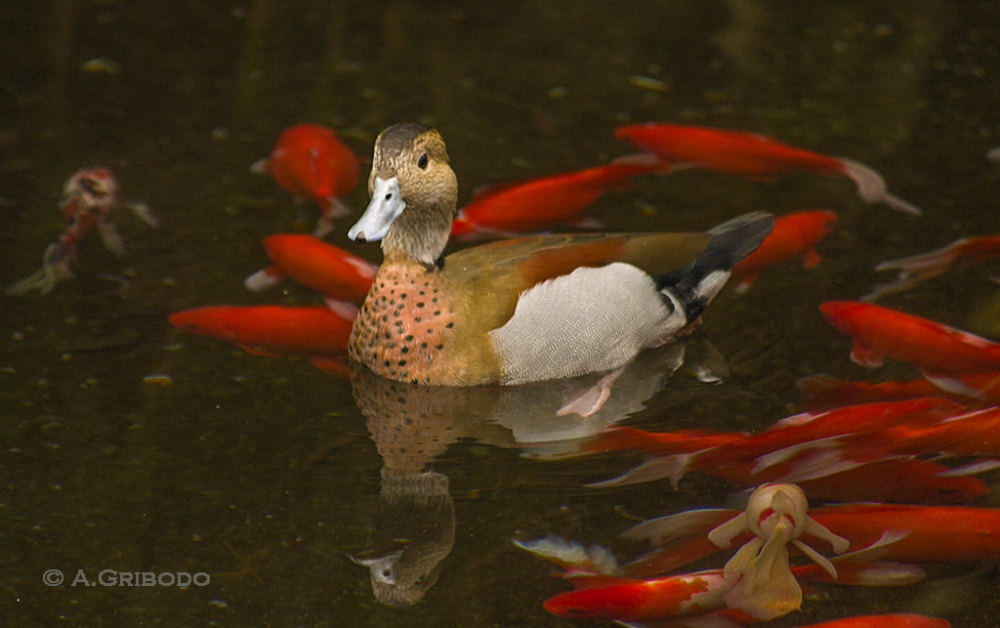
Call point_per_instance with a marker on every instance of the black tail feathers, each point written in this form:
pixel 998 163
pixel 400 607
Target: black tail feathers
pixel 731 241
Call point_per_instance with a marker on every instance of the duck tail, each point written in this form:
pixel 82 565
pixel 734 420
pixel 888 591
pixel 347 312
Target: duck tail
pixel 731 242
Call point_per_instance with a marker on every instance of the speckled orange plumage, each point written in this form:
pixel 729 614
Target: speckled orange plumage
pixel 404 324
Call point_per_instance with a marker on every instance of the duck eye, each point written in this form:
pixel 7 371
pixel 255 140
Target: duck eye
pixel 422 161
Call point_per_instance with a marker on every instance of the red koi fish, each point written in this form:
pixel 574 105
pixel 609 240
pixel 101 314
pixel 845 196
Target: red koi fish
pixel 270 330
pixel 88 198
pixel 939 351
pixel 753 156
pixel 311 162
pixel 620 599
pixel 805 428
pixel 538 203
pixel 793 234
pixel 936 533
pixel 897 620
pixel 973 434
pixel 640 600
pixel 312 263
pixel 618 438
pixel 825 391
pixel 919 268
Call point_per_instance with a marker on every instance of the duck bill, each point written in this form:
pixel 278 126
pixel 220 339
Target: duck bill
pixel 386 205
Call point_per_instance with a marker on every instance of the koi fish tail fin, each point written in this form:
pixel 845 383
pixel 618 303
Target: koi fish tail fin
pixel 925 265
pixel 335 208
pixel 144 213
pixel 744 283
pixel 111 238
pixel 332 209
pixel 43 280
pixel 261 166
pixel 871 187
pixel 344 309
pixel 730 243
pixel 264 279
pixel 572 556
pixel 323 226
pixel 890 287
pixel 55 268
pixel 952 385
pixel 673 467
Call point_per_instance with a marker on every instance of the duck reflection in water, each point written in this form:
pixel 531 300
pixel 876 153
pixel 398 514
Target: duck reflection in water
pixel 413 522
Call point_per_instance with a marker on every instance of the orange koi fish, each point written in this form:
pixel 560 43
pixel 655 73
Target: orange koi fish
pixel 973 434
pixel 270 330
pixel 618 438
pixel 312 263
pixel 939 351
pixel 753 156
pixel 936 533
pixel 793 234
pixel 638 600
pixel 825 391
pixel 641 600
pixel 918 268
pixel 896 620
pixel 88 198
pixel 807 427
pixel 538 203
pixel 311 162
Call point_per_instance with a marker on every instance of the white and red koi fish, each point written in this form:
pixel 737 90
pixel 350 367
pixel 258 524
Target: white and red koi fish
pixel 753 156
pixel 88 198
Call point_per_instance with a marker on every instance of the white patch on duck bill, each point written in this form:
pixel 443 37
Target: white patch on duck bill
pixel 593 319
pixel 385 207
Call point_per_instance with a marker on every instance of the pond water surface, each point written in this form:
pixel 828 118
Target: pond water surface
pixel 266 473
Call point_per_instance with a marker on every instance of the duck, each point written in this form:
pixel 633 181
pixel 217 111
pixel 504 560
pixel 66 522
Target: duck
pixel 519 310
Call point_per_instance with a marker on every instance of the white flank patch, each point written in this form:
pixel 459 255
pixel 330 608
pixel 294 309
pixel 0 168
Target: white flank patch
pixel 594 319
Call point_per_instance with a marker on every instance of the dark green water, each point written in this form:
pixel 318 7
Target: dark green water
pixel 264 472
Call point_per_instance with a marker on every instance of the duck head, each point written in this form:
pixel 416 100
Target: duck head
pixel 413 195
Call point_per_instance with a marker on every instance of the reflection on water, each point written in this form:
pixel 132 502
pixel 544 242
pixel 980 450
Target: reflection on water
pixel 260 471
pixel 413 524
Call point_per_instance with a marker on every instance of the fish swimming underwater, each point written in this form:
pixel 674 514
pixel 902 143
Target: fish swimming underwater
pixel 310 262
pixel 923 266
pixel 536 204
pixel 522 310
pixel 311 162
pixel 754 156
pixel 270 329
pixel 88 198
pixel 939 351
pixel 794 234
